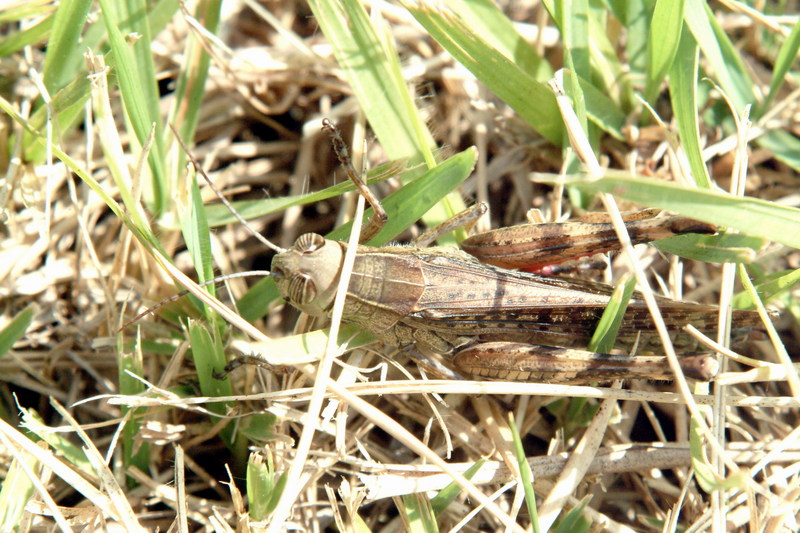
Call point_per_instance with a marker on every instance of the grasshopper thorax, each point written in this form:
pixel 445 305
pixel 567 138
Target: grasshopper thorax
pixel 307 273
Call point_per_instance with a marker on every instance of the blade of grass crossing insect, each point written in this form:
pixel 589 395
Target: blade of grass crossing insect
pixel 755 217
pixel 683 95
pixel 136 76
pixel 219 214
pixel 607 328
pixel 724 248
pixel 662 46
pixel 409 203
pixel 526 476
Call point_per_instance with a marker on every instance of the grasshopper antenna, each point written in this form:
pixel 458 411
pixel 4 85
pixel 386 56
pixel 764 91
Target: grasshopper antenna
pixel 184 292
pixel 199 169
pixel 379 216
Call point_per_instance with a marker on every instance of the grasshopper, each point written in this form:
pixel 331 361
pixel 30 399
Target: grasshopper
pixel 480 319
pixel 485 321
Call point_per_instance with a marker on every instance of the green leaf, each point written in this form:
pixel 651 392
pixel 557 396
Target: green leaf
pixel 133 65
pixel 752 216
pixel 783 63
pixel 683 95
pixel 769 288
pixel 526 476
pixel 662 47
pixel 219 214
pixel 418 515
pixel 447 495
pixel 17 328
pixel 64 57
pixel 723 248
pixel 371 67
pixel 605 334
pixel 531 99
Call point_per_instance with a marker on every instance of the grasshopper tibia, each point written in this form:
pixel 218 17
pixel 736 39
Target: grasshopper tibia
pixel 530 362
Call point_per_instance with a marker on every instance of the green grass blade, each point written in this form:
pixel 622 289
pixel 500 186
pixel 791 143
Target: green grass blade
pixel 135 72
pixel 605 334
pixel 197 236
pixel 752 216
pixel 15 329
pixel 486 19
pixel 769 288
pixel 531 99
pixel 209 358
pixel 219 214
pixel 783 64
pixel 448 495
pixel 784 145
pixel 725 62
pixel 191 83
pixel 724 248
pixel 33 34
pixel 683 94
pixel 16 491
pixel 64 54
pixel 662 47
pixel 367 64
pixel 418 515
pixel 526 476
pixel 411 202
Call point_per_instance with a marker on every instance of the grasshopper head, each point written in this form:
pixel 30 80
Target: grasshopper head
pixel 307 273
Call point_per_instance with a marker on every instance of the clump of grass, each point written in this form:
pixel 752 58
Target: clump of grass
pixel 687 109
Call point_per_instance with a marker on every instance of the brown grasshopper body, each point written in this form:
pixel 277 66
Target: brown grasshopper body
pixel 486 321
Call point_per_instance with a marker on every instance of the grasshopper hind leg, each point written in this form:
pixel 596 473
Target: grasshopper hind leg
pixel 512 361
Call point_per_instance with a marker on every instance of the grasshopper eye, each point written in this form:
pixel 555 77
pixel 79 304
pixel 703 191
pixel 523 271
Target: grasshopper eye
pixel 302 289
pixel 309 242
